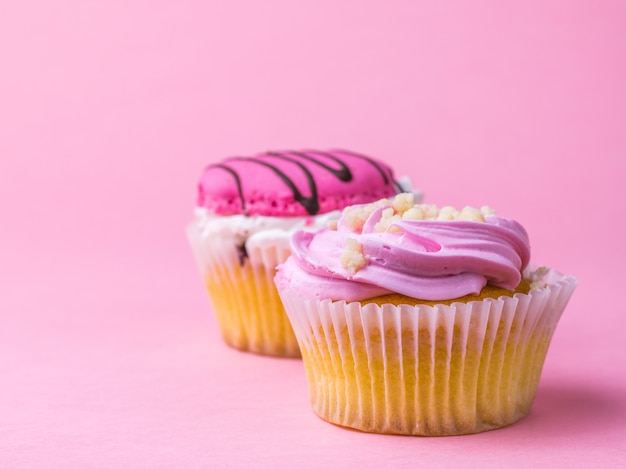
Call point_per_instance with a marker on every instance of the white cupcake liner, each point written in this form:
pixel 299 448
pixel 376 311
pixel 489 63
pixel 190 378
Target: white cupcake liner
pixel 246 304
pixel 427 370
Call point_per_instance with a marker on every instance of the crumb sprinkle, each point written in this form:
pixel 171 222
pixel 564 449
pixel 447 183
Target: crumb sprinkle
pixel 403 207
pixel 352 258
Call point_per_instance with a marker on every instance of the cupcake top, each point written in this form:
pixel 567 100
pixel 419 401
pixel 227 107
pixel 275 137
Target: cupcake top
pixel 397 246
pixel 293 183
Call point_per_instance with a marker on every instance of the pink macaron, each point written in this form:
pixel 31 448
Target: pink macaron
pixel 294 183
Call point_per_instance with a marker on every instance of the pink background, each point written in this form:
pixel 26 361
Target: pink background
pixel 109 354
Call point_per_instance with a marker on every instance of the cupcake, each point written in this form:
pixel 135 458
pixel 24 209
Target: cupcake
pixel 419 320
pixel 247 209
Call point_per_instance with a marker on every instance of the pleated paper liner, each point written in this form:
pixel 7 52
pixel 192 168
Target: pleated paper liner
pixel 424 370
pixel 248 310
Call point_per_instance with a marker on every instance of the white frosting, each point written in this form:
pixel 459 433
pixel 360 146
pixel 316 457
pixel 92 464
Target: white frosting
pixel 257 231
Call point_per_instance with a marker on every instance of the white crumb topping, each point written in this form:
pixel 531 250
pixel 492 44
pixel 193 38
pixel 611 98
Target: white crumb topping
pixel 471 214
pixel 414 213
pixel 403 207
pixel 389 216
pixel 537 278
pixel 487 211
pixel 448 213
pixel 352 258
pixel 356 215
pixel 402 202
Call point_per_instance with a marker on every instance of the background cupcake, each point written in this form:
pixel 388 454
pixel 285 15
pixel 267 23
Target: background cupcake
pixel 418 320
pixel 247 208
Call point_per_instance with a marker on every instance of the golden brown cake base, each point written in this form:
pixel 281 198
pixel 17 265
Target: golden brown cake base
pixel 489 291
pixel 249 312
pixel 240 283
pixel 426 370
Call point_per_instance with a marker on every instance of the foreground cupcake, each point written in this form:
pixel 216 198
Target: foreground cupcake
pixel 421 321
pixel 247 209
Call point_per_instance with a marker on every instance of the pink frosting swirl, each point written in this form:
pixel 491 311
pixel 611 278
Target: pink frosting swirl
pixel 425 259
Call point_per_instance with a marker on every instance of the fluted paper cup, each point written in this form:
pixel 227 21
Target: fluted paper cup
pixel 245 302
pixel 427 370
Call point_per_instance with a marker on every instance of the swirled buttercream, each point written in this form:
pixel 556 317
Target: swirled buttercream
pixel 420 251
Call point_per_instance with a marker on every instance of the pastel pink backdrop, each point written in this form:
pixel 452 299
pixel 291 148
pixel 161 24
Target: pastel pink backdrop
pixel 109 354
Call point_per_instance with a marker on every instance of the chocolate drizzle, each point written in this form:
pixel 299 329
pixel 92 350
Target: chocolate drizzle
pixel 310 203
pixel 237 179
pixel 343 174
pixel 242 253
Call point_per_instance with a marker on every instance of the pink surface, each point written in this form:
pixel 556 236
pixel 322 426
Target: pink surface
pixel 109 356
